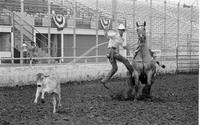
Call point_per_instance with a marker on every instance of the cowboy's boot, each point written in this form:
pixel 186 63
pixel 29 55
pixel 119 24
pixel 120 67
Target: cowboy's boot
pixel 103 81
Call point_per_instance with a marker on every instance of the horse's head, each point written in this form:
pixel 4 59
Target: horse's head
pixel 141 31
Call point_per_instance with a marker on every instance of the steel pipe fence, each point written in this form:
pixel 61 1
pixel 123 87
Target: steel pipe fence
pixel 172 28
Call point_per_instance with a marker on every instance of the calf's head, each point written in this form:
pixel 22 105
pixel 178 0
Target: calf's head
pixel 40 83
pixel 40 79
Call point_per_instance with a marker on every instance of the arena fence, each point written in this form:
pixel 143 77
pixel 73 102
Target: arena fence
pixel 172 29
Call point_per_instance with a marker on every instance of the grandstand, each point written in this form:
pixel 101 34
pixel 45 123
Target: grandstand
pixel 164 23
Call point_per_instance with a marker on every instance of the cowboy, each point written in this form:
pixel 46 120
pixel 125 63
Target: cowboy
pixel 115 40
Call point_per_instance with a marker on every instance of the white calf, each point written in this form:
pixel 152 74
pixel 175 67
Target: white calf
pixel 49 85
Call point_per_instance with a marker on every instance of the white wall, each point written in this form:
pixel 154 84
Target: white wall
pixel 25 75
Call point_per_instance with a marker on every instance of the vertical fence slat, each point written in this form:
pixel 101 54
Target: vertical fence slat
pixel 114 13
pixel 165 29
pixel 21 31
pixel 74 30
pixel 49 28
pixel 150 23
pixel 191 31
pixel 97 29
pixel 12 38
pixel 178 30
pixel 164 38
pixel 134 6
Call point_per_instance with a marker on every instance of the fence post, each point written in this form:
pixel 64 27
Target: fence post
pixel 191 30
pixel 150 23
pixel 97 29
pixel 21 32
pixel 12 38
pixel 49 29
pixel 165 24
pixel 178 30
pixel 74 30
pixel 62 46
pixel 188 50
pixel 114 13
pixel 133 20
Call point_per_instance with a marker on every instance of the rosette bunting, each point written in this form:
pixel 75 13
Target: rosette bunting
pixel 59 21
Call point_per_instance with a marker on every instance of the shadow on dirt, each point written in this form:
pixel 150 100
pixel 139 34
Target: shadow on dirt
pixel 120 97
pixel 62 110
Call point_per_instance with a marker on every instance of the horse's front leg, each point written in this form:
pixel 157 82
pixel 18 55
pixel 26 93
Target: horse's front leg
pixel 147 88
pixel 136 85
pixel 131 84
pixel 146 91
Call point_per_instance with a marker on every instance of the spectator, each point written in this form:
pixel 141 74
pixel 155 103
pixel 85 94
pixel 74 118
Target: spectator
pixel 33 51
pixel 25 52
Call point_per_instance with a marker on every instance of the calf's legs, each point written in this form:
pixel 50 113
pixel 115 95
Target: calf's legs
pixel 36 96
pixel 54 103
pixel 59 98
pixel 42 96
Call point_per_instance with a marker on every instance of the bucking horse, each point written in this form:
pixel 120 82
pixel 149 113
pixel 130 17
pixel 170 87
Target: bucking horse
pixel 144 67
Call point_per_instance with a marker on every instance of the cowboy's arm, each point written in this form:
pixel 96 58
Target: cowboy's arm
pixel 109 34
pixel 125 45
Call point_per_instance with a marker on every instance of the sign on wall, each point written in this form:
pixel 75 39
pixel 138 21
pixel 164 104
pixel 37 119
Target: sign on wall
pixel 59 21
pixel 105 23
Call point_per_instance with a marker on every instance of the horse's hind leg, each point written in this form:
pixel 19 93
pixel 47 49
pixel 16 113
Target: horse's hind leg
pixel 131 84
pixel 147 88
pixel 59 96
pixel 146 91
pixel 136 85
pixel 59 100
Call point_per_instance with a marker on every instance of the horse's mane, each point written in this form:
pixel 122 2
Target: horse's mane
pixel 143 49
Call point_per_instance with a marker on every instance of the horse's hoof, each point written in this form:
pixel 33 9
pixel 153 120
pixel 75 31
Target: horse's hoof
pixel 60 106
pixel 148 97
pixel 42 101
pixel 113 96
pixel 104 84
pixel 135 100
pixel 142 97
pixel 130 97
pixel 117 97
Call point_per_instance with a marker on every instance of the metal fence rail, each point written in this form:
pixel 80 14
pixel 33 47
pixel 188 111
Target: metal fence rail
pixel 172 28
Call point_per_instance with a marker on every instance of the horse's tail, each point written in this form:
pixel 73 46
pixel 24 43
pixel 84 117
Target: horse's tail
pixel 163 66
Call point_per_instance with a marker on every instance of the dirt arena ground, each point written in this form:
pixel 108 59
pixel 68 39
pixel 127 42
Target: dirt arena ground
pixel 175 102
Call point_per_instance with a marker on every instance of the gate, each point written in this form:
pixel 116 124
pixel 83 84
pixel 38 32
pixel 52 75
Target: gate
pixel 188 56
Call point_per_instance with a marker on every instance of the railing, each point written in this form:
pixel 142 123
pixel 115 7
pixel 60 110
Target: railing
pixel 5 19
pixel 50 60
pixel 191 65
pixel 29 33
pixel 82 22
